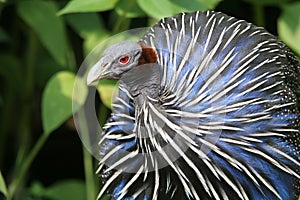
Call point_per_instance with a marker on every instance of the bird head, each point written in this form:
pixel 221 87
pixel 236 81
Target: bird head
pixel 118 59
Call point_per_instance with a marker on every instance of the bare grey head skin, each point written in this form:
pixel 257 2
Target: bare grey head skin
pixel 117 59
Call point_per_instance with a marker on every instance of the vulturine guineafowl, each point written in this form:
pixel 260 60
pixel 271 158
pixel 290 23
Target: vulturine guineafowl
pixel 208 108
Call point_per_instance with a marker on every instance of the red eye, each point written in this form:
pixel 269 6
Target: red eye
pixel 124 59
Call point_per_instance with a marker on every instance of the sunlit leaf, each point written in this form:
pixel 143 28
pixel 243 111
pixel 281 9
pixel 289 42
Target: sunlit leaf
pixel 90 27
pixel 93 40
pixel 158 9
pixel 3 188
pixel 41 17
pixel 129 9
pixel 57 100
pixel 289 26
pixel 88 6
pixel 107 89
pixel 268 2
pixel 194 5
pixel 85 23
pixel 167 8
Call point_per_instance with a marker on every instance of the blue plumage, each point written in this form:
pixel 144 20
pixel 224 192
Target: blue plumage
pixel 224 123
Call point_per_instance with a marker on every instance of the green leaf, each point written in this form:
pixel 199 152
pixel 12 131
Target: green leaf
pixel 3 187
pixel 41 17
pixel 66 189
pixel 158 9
pixel 88 6
pixel 268 2
pixel 194 5
pixel 106 89
pixel 129 9
pixel 37 190
pixel 289 26
pixel 93 40
pixel 85 23
pixel 57 99
pixel 167 8
pixel 89 27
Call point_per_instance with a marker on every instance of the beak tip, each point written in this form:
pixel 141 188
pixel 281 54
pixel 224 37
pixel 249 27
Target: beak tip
pixel 95 73
pixel 92 75
pixel 90 79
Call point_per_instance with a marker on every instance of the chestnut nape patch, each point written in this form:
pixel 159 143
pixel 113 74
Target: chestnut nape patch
pixel 149 55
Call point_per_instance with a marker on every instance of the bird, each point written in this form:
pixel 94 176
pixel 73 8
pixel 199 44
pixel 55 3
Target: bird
pixel 208 107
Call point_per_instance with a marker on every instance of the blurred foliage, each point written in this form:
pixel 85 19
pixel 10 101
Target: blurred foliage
pixel 289 26
pixel 40 15
pixel 43 43
pixel 3 188
pixel 62 190
pixel 57 98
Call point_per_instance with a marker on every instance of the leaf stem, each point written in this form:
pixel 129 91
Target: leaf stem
pixel 24 129
pixel 87 159
pixel 20 176
pixel 24 159
pixel 89 175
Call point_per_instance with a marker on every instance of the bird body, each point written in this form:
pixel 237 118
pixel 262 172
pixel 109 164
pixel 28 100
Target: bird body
pixel 208 108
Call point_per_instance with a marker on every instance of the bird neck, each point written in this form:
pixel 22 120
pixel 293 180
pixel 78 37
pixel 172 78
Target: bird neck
pixel 143 82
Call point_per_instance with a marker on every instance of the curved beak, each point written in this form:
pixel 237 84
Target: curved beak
pixel 97 72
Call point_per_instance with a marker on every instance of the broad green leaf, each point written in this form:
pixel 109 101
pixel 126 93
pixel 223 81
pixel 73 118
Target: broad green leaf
pixel 37 190
pixel 167 8
pixel 268 2
pixel 194 5
pixel 129 9
pixel 90 27
pixel 3 188
pixel 93 40
pixel 41 17
pixel 289 26
pixel 88 6
pixel 63 190
pixel 68 189
pixel 107 89
pixel 57 99
pixel 158 9
pixel 85 23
